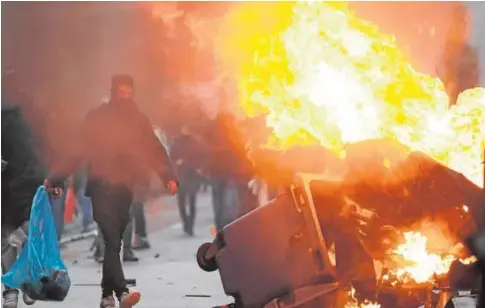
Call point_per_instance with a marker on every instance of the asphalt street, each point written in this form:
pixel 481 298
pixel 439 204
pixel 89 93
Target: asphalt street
pixel 167 274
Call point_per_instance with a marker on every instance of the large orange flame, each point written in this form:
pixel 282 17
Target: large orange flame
pixel 322 75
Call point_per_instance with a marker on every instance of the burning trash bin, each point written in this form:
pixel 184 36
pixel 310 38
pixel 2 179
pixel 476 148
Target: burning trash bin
pixel 368 217
pixel 274 256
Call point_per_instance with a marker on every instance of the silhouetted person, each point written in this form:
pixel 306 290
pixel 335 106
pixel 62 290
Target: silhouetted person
pixel 186 155
pixel 230 169
pixel 118 145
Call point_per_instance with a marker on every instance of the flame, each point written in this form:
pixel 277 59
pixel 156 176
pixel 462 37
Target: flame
pixel 352 302
pixel 422 266
pixel 322 75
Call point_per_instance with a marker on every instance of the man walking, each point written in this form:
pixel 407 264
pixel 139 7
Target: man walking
pixel 118 145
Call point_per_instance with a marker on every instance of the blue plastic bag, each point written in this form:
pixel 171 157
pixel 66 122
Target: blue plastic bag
pixel 39 271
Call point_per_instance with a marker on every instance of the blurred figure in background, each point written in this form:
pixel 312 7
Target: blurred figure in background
pixel 230 169
pixel 58 205
pixel 137 217
pixel 140 240
pixel 142 194
pixel 128 253
pixel 186 155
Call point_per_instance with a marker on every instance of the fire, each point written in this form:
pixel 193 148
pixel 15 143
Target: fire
pixel 322 75
pixel 354 303
pixel 420 265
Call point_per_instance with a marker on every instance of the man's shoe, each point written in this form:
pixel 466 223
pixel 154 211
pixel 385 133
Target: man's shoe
pixel 141 243
pixel 10 298
pixel 129 299
pixel 27 300
pixel 108 302
pixel 129 256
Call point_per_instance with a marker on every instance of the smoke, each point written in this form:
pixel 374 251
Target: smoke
pixel 422 29
pixel 191 28
pixel 65 53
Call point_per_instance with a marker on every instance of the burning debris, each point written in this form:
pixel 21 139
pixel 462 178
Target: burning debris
pixel 354 303
pixel 326 79
pixel 419 265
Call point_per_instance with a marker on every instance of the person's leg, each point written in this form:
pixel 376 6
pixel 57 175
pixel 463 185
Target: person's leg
pixel 58 207
pixel 99 247
pixel 214 192
pixel 139 218
pixel 128 254
pixel 9 256
pixel 218 191
pixel 85 206
pixel 191 216
pixel 111 211
pixel 182 204
pixel 141 241
pixel 230 202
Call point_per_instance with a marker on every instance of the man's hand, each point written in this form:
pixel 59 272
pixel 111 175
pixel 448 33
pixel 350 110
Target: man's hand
pixel 56 192
pixel 173 187
pixel 179 162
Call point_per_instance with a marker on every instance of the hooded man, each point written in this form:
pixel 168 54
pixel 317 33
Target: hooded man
pixel 119 147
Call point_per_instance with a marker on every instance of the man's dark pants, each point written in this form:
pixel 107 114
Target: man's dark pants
pixel 111 211
pixel 187 197
pixel 225 201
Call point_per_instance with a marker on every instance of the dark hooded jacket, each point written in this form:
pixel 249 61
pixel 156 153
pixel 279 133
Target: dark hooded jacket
pixel 119 145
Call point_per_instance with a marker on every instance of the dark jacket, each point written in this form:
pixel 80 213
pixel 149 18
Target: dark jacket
pixel 119 145
pixel 24 172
